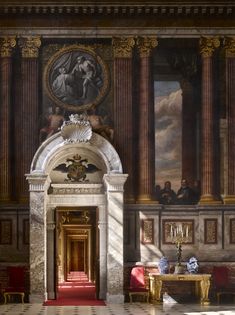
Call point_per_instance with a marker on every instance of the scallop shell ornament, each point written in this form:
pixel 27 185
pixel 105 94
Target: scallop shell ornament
pixel 77 129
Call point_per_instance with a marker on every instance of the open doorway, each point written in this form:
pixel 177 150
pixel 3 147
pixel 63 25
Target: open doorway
pixel 77 255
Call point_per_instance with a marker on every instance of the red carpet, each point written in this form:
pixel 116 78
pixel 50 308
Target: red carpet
pixel 76 291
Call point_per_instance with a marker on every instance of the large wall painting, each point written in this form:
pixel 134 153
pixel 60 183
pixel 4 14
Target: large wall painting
pixel 168 133
pixel 76 78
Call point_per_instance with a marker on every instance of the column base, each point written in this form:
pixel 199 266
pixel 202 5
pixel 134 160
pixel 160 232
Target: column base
pixel 147 199
pixel 115 299
pixel 209 200
pixel 37 298
pixel 229 199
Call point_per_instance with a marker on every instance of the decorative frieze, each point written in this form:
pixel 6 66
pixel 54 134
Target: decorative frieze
pixel 146 45
pixel 122 47
pixel 6 46
pixel 208 45
pixel 30 46
pixel 59 189
pixel 116 9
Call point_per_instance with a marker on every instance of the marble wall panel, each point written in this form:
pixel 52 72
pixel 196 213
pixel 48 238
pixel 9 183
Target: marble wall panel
pixel 12 246
pixel 229 232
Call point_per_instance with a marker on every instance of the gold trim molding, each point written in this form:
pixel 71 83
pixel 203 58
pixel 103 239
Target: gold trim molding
pixel 30 46
pixel 229 199
pixel 122 47
pixel 145 45
pixel 208 45
pixel 229 47
pixel 6 46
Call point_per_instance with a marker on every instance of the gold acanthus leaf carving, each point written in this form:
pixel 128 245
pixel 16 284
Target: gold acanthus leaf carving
pixel 6 45
pixel 208 45
pixel 229 46
pixel 146 45
pixel 122 47
pixel 30 46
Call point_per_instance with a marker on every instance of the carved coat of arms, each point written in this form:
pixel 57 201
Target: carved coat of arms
pixel 76 169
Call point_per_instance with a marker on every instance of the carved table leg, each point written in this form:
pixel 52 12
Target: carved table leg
pixel 158 289
pixel 205 286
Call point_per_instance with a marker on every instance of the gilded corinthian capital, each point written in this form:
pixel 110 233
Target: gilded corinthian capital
pixel 6 45
pixel 146 45
pixel 229 46
pixel 30 46
pixel 208 45
pixel 122 47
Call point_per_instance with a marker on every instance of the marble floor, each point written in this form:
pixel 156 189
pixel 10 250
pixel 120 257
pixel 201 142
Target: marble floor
pixel 118 309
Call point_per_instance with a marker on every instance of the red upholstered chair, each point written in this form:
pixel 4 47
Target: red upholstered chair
pixel 16 283
pixel 221 282
pixel 137 283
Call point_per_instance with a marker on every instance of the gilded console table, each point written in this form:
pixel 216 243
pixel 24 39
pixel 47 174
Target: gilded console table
pixel 156 285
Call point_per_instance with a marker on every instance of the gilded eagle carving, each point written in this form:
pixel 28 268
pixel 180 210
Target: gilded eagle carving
pixel 77 169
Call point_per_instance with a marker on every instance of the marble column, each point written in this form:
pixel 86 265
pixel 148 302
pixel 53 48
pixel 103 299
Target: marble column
pixel 230 104
pixel 123 109
pixel 207 47
pixel 189 144
pixel 27 113
pixel 6 48
pixel 102 226
pixel 146 145
pixel 115 259
pixel 38 185
pixel 51 264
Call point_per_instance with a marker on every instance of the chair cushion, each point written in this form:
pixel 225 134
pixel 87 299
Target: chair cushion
pixel 14 289
pixel 137 277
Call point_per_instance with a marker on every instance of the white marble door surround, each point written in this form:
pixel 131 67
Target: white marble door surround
pixel 108 198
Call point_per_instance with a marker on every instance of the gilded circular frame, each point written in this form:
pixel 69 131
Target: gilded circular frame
pixel 76 78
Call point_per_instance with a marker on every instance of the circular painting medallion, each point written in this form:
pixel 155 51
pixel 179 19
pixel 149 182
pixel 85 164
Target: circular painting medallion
pixel 76 78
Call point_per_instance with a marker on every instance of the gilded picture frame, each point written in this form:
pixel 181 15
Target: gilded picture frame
pixel 211 231
pixel 76 78
pixel 6 232
pixel 186 224
pixel 147 231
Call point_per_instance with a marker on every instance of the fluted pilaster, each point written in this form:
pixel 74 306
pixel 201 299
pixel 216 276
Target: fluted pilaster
pixel 6 48
pixel 27 114
pixel 230 103
pixel 207 47
pixel 146 144
pixel 123 108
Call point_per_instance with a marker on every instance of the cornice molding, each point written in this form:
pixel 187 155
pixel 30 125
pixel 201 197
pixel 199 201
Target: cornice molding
pixel 129 8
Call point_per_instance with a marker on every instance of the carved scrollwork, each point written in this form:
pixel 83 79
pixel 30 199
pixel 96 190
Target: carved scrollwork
pixel 6 46
pixel 30 46
pixel 229 46
pixel 208 45
pixel 122 47
pixel 146 45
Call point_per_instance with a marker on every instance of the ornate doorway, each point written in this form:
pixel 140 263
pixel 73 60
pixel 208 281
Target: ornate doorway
pixel 50 190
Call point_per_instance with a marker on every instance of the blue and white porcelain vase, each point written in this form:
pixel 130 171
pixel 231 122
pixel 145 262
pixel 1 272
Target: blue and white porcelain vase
pixel 192 265
pixel 163 265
